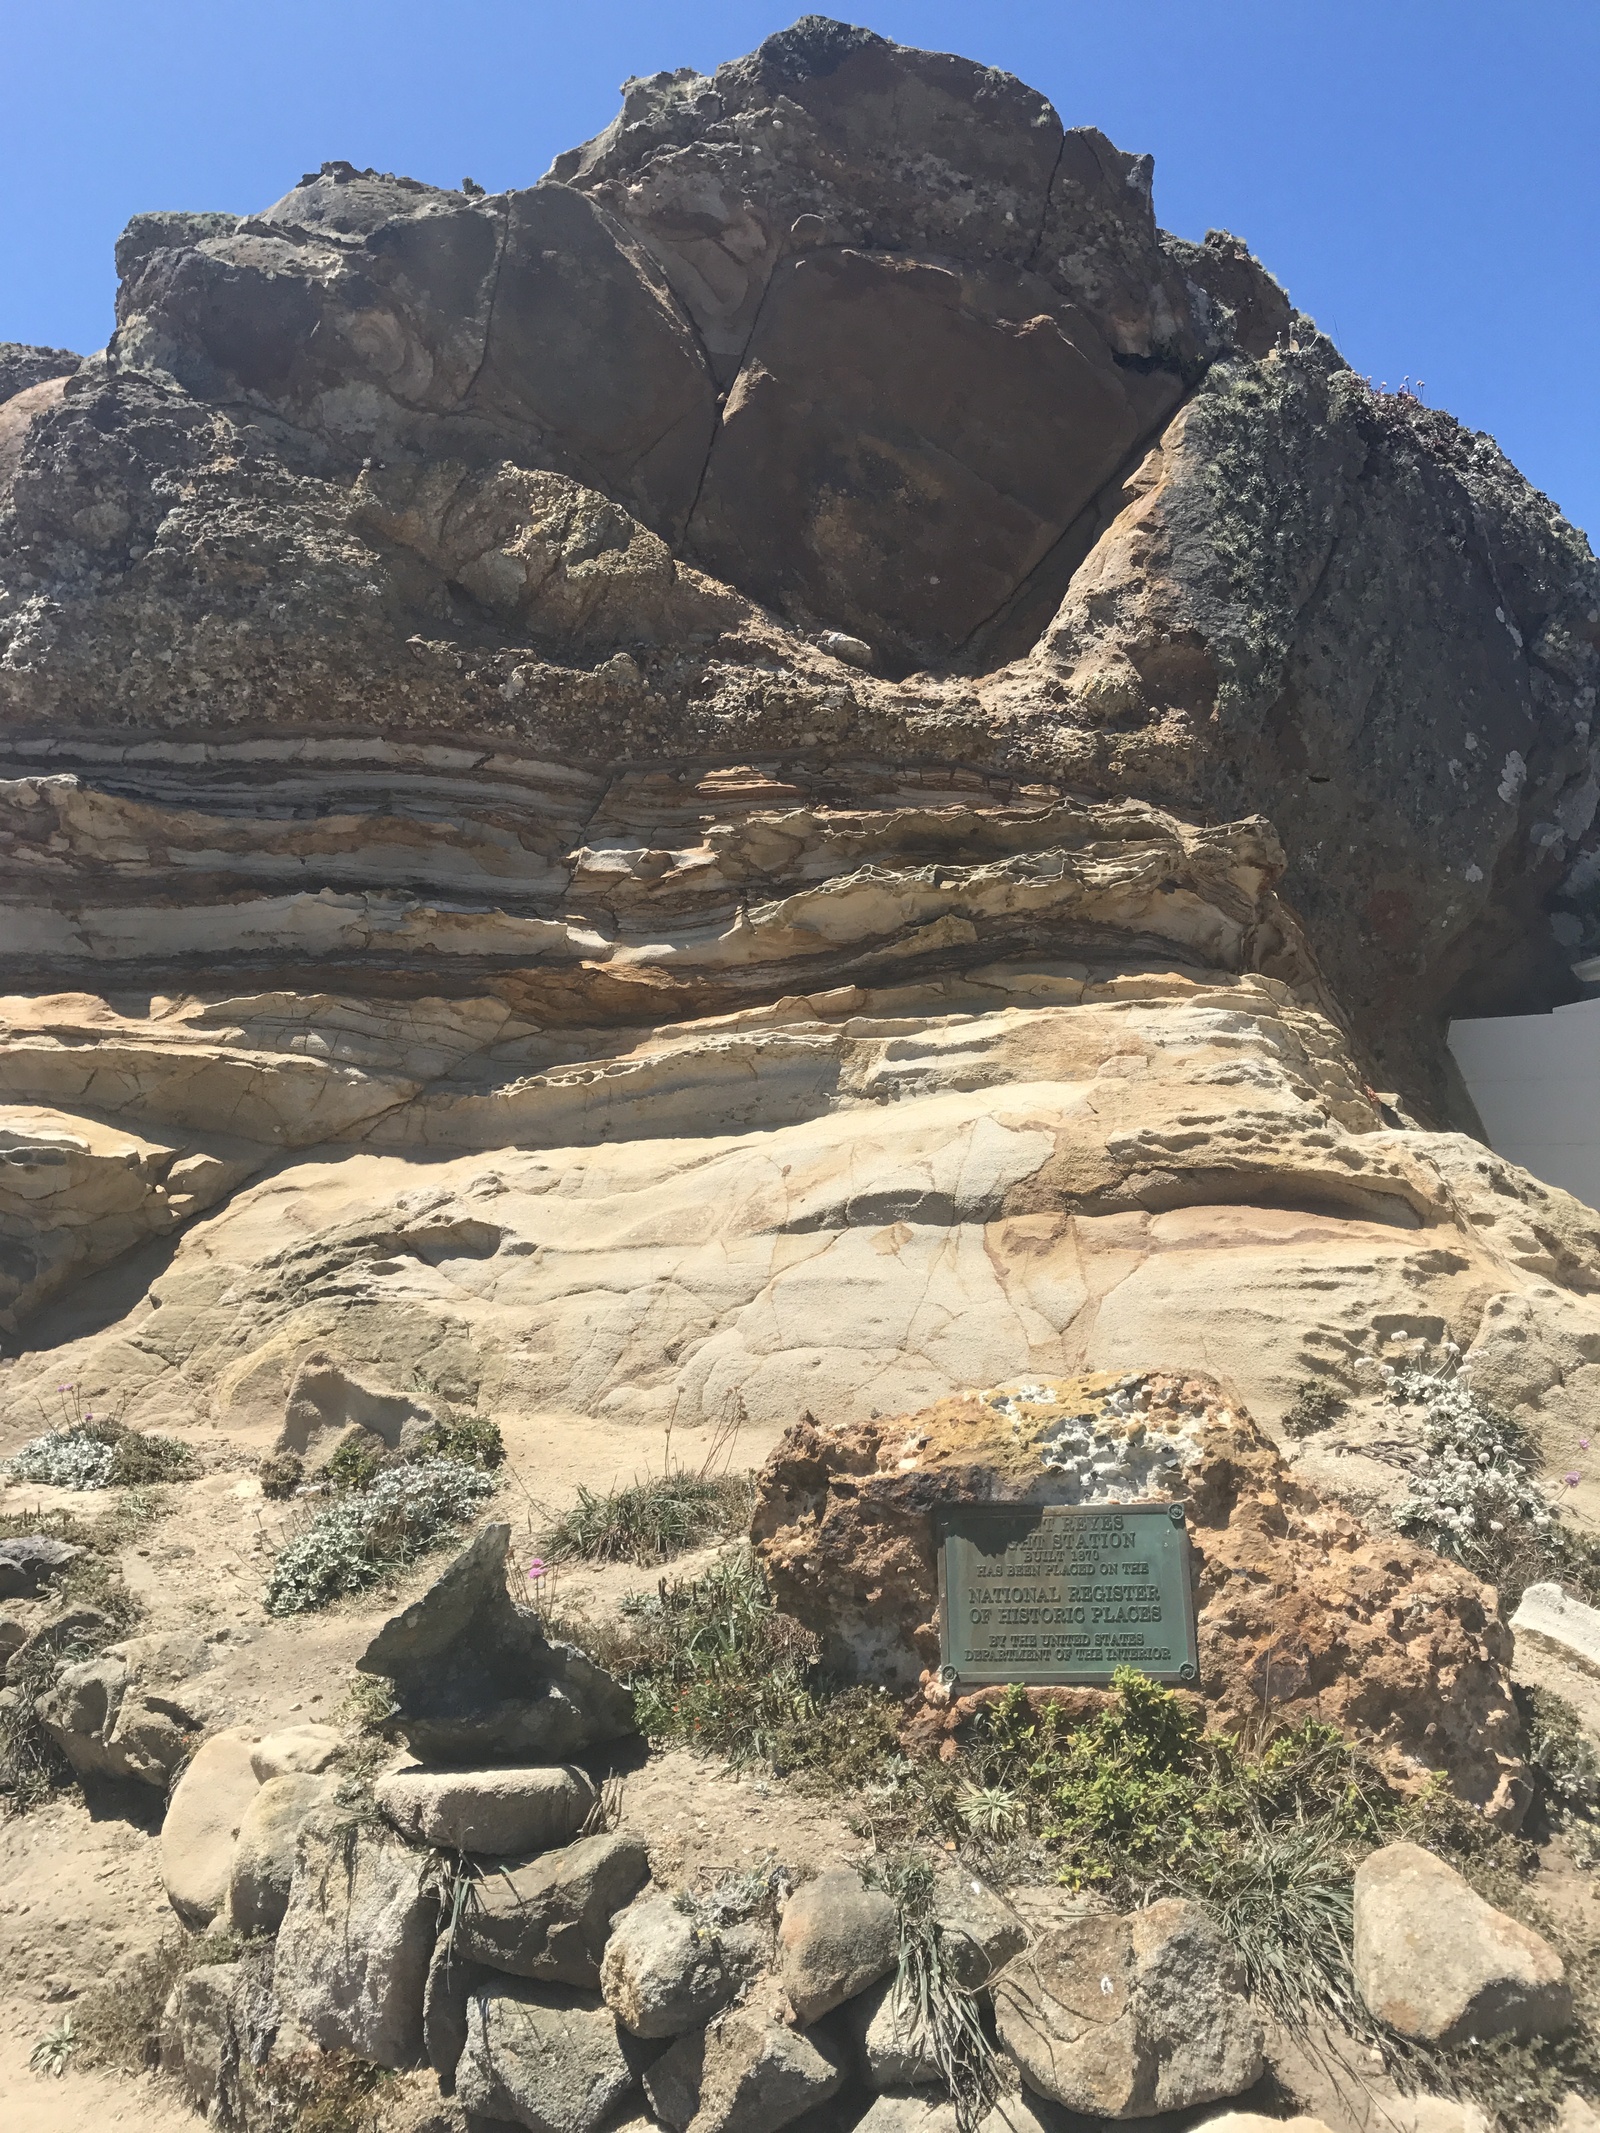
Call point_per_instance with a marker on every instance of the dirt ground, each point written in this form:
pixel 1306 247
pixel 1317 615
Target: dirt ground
pixel 80 1880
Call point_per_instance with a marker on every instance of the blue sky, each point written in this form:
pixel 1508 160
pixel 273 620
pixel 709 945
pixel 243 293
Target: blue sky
pixel 1423 175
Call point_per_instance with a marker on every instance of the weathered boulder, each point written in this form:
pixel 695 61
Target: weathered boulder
pixel 125 1714
pixel 746 2072
pixel 666 1970
pixel 202 1824
pixel 356 1941
pixel 497 1811
pixel 475 1677
pixel 907 2111
pixel 28 1561
pixel 1300 1607
pixel 545 2057
pixel 1436 1962
pixel 296 1751
pixel 325 1400
pixel 206 2030
pixel 265 1849
pixel 549 1917
pixel 835 1938
pixel 445 1999
pixel 1124 2017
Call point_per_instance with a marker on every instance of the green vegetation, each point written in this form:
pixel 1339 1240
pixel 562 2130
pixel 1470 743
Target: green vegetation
pixel 649 1521
pixel 474 1440
pixel 91 1589
pixel 117 2023
pixel 1134 1801
pixel 932 2003
pixel 91 1453
pixel 371 1529
pixel 280 1474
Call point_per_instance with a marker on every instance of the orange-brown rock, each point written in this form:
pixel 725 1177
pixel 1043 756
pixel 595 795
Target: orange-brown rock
pixel 1302 1612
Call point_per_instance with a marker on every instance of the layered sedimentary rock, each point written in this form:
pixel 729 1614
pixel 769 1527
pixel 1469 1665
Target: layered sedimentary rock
pixel 801 766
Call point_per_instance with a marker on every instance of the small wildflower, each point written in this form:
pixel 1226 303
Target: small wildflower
pixel 1583 1444
pixel 535 1571
pixel 1573 1480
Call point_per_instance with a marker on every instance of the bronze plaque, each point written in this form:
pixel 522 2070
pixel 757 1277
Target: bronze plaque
pixel 1052 1594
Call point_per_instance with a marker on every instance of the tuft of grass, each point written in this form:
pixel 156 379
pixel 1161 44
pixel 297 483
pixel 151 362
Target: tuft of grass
pixel 323 2092
pixel 650 1521
pixel 935 2009
pixel 712 1662
pixel 119 2017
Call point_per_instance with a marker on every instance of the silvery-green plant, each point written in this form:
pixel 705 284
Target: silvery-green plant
pixel 1476 1480
pixel 358 1537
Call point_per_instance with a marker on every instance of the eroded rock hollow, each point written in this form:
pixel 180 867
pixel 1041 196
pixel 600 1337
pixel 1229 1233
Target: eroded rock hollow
pixel 802 767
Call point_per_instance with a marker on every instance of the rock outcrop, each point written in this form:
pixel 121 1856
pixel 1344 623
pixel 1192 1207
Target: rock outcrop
pixel 917 743
pixel 474 1676
pixel 1299 1610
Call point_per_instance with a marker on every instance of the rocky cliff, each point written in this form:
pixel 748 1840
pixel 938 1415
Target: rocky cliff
pixel 802 766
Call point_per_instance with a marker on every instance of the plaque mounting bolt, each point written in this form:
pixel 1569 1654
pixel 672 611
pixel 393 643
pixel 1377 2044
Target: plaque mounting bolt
pixel 1175 1513
pixel 1186 1672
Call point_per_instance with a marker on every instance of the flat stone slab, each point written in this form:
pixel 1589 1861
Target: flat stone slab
pixel 494 1811
pixel 1572 1627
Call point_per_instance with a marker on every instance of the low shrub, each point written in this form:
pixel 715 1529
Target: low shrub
pixel 280 1474
pixel 366 1533
pixel 650 1521
pixel 356 1463
pixel 474 1440
pixel 92 1454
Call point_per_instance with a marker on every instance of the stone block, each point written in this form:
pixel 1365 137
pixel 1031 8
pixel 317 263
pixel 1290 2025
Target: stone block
pixel 356 1941
pixel 549 1917
pixel 545 2057
pixel 495 1811
pixel 1436 1962
pixel 836 1937
pixel 202 1824
pixel 1124 2017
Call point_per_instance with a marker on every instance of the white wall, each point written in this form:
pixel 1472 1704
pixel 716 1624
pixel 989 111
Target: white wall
pixel 1536 1082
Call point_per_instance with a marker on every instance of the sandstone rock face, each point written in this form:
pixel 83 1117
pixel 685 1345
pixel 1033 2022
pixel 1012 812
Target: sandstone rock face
pixel 550 1917
pixel 202 1824
pixel 544 2057
pixel 1436 1962
pixel 815 684
pixel 357 1937
pixel 488 1810
pixel 1299 1608
pixel 836 1937
pixel 1124 2017
pixel 474 1675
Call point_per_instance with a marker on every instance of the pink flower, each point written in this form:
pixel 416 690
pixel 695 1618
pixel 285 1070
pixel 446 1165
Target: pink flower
pixel 1573 1480
pixel 535 1571
pixel 1583 1444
